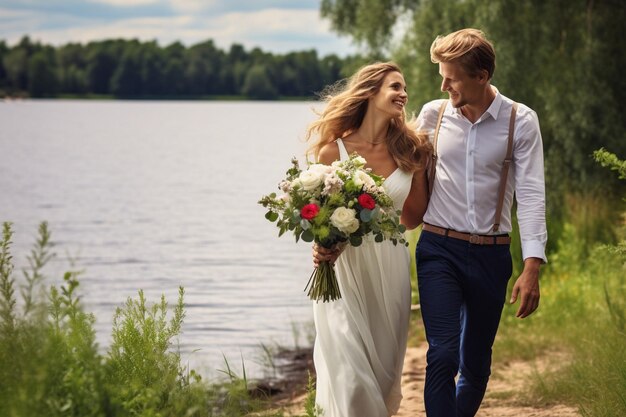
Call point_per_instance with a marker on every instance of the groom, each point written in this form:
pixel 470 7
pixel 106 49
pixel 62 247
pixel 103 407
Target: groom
pixel 487 149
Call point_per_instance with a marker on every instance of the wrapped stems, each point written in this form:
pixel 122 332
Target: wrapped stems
pixel 323 284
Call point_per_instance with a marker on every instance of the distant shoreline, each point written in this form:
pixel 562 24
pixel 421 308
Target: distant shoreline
pixel 155 98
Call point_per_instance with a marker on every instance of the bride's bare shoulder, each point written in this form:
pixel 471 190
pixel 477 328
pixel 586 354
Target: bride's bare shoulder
pixel 329 153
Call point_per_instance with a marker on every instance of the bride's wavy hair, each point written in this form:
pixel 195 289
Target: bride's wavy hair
pixel 346 105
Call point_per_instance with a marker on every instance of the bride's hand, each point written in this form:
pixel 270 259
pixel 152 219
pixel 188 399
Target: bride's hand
pixel 321 254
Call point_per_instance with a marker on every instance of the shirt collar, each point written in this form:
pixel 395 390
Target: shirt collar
pixel 492 110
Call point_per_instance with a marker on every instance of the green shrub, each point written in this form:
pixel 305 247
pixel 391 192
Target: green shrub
pixel 50 364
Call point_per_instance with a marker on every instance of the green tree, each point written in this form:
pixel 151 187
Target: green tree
pixel 331 69
pixel 174 77
pixel 42 75
pixel 126 80
pixel 152 71
pixel 563 59
pixel 300 74
pixel 4 49
pixel 72 68
pixel 102 62
pixel 258 84
pixel 16 65
pixel 237 61
pixel 368 22
pixel 203 62
pixel 174 69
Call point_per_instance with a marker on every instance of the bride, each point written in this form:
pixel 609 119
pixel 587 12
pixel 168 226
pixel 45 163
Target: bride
pixel 361 338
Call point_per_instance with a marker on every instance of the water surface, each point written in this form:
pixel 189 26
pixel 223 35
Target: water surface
pixel 157 195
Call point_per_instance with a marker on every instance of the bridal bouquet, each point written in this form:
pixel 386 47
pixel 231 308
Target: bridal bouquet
pixel 331 205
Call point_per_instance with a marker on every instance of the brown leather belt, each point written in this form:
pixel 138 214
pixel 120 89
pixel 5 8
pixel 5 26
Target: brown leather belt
pixel 468 237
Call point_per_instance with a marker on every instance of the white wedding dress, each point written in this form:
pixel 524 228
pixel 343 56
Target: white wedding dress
pixel 361 338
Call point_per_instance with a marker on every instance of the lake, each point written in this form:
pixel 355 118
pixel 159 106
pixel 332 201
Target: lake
pixel 154 195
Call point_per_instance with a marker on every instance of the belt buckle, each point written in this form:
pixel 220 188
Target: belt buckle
pixel 475 239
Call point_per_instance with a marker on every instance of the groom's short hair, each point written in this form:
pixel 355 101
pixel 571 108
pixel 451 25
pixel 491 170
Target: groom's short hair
pixel 469 47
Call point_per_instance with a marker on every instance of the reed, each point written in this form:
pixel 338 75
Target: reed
pixel 310 408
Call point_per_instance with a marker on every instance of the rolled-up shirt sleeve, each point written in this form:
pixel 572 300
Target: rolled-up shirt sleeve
pixel 530 186
pixel 427 118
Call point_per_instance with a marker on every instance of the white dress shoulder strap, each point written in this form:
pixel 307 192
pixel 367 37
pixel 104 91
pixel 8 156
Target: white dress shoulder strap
pixel 343 152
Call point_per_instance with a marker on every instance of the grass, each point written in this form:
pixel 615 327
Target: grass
pixel 50 364
pixel 582 317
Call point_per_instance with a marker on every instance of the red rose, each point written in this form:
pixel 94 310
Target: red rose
pixel 366 201
pixel 309 211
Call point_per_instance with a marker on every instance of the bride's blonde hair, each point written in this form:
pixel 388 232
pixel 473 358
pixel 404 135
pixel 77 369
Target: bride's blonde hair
pixel 346 105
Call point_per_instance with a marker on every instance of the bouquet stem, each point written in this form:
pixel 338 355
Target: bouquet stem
pixel 323 284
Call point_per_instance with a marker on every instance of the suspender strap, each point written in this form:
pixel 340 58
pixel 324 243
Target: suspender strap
pixel 505 164
pixel 433 162
pixel 505 169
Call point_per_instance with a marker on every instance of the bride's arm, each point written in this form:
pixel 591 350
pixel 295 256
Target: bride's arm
pixel 416 202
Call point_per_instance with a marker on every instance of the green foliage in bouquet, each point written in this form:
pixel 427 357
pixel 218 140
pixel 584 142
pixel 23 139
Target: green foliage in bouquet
pixel 333 205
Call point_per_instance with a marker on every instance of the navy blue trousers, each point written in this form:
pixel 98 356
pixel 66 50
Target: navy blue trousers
pixel 462 290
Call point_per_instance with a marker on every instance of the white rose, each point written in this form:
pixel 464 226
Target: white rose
pixel 321 168
pixel 310 179
pixel 360 160
pixel 345 220
pixel 362 178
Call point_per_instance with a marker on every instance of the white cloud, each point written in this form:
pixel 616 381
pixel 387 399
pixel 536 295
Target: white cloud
pixel 183 6
pixel 272 20
pixel 125 3
pixel 145 29
pixel 192 6
pixel 281 30
pixel 10 14
pixel 273 30
pixel 17 23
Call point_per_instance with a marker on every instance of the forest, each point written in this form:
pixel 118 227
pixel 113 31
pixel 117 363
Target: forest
pixel 564 59
pixel 124 68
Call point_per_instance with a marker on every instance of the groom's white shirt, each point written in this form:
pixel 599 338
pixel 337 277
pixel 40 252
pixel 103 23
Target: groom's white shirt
pixel 470 156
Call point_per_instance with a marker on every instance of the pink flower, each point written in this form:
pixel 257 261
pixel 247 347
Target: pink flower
pixel 366 201
pixel 309 211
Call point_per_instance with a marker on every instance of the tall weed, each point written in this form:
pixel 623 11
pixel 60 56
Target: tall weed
pixel 582 312
pixel 50 364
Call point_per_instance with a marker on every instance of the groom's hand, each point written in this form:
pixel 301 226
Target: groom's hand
pixel 527 288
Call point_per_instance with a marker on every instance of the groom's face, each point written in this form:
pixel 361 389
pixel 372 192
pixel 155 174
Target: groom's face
pixel 462 88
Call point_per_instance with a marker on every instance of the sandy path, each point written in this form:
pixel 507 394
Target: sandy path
pixel 501 399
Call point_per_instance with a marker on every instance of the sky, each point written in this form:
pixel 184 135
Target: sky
pixel 277 26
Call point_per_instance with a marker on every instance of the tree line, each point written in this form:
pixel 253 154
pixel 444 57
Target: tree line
pixel 131 68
